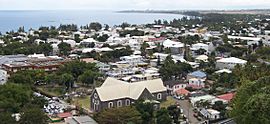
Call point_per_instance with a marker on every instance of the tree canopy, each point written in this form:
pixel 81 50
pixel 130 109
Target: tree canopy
pixel 64 48
pixel 251 104
pixel 122 115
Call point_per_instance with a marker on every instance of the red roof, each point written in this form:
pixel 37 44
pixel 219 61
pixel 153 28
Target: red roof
pixel 64 115
pixel 156 39
pixel 182 91
pixel 227 96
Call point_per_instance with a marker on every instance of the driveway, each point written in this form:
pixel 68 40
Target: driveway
pixel 188 111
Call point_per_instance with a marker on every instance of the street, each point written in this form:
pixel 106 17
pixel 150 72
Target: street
pixel 188 111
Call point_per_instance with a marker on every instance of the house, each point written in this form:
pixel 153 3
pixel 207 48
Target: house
pixel 80 120
pixel 134 44
pixel 223 71
pixel 103 67
pixel 120 72
pixel 201 58
pixel 117 93
pixel 182 92
pixel 210 114
pixel 197 74
pixel 228 97
pixel 87 42
pixel 195 100
pixel 132 59
pixel 72 43
pixel 175 47
pixel 214 44
pixel 229 63
pixel 196 83
pixel 198 46
pixel 250 40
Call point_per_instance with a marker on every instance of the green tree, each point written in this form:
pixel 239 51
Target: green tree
pixel 6 118
pixel 14 97
pixel 103 38
pixel 21 78
pixel 77 38
pixel 174 112
pixel 33 115
pixel 88 77
pixel 67 80
pixel 122 115
pixel 251 103
pixel 200 51
pixel 76 68
pixel 143 48
pixel 95 26
pixel 146 110
pixel 64 48
pixel 45 48
pixel 163 116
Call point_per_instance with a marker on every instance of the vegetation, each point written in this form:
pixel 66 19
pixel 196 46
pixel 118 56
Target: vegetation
pixel 171 70
pixel 251 104
pixel 135 32
pixel 17 97
pixel 95 26
pixel 122 115
pixel 64 48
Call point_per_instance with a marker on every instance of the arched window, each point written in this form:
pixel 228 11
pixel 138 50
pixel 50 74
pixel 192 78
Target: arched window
pixel 95 95
pixel 110 104
pixel 119 103
pixel 127 102
pixel 159 96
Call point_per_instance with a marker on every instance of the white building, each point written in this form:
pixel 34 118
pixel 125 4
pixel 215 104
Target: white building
pixel 198 46
pixel 175 47
pixel 72 43
pixel 196 83
pixel 250 40
pixel 134 44
pixel 200 58
pixel 132 59
pixel 210 114
pixel 229 63
pixel 88 41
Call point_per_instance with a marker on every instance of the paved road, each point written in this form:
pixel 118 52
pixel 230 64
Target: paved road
pixel 188 111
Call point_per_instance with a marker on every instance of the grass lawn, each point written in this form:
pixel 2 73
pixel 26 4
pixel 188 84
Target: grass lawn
pixel 52 91
pixel 170 101
pixel 84 102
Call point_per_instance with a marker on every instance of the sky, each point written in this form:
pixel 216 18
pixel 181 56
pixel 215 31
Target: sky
pixel 133 4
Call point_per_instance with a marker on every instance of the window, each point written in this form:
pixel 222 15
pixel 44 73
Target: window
pixel 95 95
pixel 119 103
pixel 110 104
pixel 159 96
pixel 127 102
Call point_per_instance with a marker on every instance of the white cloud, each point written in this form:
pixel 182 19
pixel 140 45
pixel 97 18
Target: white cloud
pixel 133 4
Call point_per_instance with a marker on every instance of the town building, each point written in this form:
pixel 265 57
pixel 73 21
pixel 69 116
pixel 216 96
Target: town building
pixel 229 63
pixel 125 93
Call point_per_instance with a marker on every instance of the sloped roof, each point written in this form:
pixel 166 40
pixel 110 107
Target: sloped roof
pixel 199 74
pixel 202 57
pixel 182 91
pixel 228 96
pixel 116 89
pixel 232 60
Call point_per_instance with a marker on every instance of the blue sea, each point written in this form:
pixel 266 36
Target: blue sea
pixel 12 20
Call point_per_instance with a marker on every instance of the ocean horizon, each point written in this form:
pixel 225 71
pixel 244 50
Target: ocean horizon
pixel 13 19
